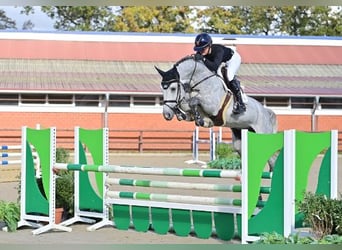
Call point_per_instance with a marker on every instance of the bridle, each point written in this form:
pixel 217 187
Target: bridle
pixel 178 101
pixel 187 88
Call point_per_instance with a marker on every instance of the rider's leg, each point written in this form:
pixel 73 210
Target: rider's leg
pixel 233 84
pixel 239 106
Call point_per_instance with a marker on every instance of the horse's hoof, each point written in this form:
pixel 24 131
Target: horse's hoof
pixel 199 122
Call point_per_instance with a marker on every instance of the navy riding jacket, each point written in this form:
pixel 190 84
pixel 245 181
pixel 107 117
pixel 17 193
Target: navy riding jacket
pixel 217 55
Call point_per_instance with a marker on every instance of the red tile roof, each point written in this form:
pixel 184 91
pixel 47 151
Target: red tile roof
pixel 120 62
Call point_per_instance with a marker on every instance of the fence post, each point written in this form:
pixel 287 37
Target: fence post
pixel 140 143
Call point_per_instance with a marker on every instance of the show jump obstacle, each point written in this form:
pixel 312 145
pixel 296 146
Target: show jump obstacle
pixel 38 204
pixel 175 206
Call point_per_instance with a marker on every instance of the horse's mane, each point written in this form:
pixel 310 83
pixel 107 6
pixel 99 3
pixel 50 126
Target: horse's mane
pixel 184 59
pixel 191 57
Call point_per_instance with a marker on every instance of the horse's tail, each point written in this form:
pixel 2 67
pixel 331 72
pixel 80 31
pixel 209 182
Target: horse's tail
pixel 273 119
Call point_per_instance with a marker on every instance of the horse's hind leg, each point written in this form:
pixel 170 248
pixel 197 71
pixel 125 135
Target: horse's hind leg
pixel 272 160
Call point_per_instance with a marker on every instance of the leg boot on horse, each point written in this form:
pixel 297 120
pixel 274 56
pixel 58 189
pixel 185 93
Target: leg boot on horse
pixel 194 105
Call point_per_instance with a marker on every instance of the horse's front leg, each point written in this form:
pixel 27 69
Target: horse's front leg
pixel 184 116
pixel 194 106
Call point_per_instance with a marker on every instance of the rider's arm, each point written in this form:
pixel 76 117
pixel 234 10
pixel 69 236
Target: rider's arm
pixel 214 60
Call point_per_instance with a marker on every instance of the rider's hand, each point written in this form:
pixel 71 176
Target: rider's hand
pixel 198 57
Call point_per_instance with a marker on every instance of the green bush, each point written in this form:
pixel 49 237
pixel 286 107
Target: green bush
pixel 62 155
pixel 225 163
pixel 322 214
pixel 10 214
pixel 275 238
pixel 226 158
pixel 65 190
pixel 64 184
pixel 224 150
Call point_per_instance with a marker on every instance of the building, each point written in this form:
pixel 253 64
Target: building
pixel 93 80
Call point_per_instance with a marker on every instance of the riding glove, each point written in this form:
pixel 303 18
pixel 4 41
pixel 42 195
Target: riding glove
pixel 198 57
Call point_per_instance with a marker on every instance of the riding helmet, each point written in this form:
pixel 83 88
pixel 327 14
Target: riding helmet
pixel 202 41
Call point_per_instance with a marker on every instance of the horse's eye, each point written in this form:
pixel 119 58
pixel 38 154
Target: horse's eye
pixel 165 86
pixel 173 89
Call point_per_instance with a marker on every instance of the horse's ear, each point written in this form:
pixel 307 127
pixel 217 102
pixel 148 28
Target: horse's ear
pixel 162 73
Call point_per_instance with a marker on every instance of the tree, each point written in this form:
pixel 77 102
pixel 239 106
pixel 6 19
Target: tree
pixel 262 20
pixel 220 20
pixel 271 20
pixel 80 18
pixel 257 20
pixel 6 22
pixel 314 20
pixel 324 21
pixel 167 19
pixel 119 18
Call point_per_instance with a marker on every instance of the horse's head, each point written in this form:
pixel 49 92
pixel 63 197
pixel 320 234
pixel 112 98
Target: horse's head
pixel 173 94
pixel 178 84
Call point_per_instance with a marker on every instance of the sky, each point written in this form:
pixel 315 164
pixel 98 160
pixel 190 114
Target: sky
pixel 41 21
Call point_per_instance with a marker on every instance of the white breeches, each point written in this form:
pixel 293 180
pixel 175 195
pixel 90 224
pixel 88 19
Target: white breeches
pixel 233 65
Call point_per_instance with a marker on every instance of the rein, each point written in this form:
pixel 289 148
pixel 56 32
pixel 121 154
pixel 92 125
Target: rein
pixel 206 78
pixel 187 86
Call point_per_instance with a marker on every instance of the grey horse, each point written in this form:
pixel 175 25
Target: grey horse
pixel 193 93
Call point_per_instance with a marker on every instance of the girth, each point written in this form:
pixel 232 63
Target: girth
pixel 218 119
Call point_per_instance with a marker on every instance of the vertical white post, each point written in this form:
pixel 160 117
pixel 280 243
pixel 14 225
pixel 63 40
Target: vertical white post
pixel 289 181
pixel 212 142
pixel 219 137
pixel 76 173
pixel 195 148
pixel 105 158
pixel 334 164
pixel 244 191
pixel 23 176
pixel 195 143
pixel 52 200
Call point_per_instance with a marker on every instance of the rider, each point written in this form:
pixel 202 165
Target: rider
pixel 215 54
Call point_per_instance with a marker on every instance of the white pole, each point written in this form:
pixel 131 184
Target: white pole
pixel 244 193
pixel 23 176
pixel 77 174
pixel 289 181
pixel 334 164
pixel 212 144
pixel 196 137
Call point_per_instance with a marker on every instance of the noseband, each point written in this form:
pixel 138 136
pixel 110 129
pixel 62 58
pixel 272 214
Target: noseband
pixel 176 109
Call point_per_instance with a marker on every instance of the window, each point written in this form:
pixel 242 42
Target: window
pixel 60 99
pixel 144 101
pixel 87 100
pixel 33 98
pixel 9 99
pixel 330 102
pixel 277 101
pixel 259 99
pixel 119 101
pixel 302 102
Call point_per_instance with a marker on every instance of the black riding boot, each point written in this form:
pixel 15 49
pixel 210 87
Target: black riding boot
pixel 239 106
